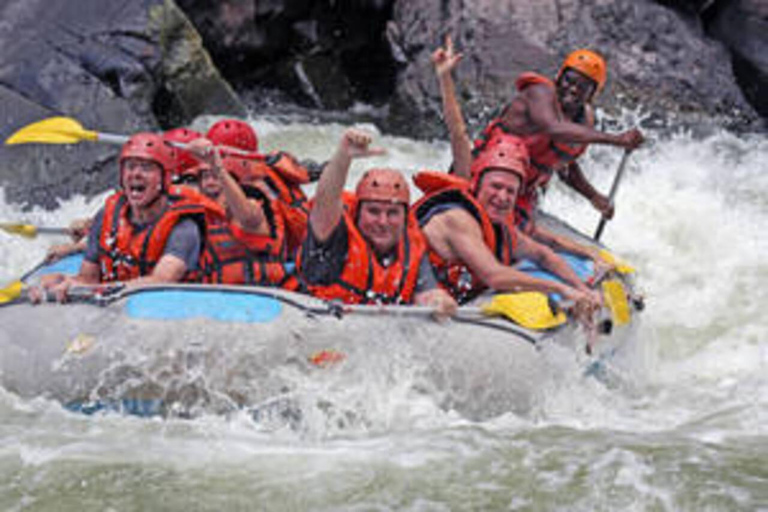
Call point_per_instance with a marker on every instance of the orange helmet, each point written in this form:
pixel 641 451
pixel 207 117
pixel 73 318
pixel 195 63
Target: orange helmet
pixel 502 153
pixel 244 171
pixel 234 133
pixel 386 185
pixel 184 159
pixel 150 146
pixel 588 63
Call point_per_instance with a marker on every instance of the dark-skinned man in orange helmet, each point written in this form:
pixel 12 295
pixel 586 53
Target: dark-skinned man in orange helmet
pixel 555 119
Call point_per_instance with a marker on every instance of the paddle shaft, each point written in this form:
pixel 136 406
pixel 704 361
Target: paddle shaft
pixel 111 138
pixel 119 140
pixel 612 194
pixel 43 230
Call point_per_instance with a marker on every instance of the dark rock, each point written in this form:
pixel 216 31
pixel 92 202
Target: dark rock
pixel 321 54
pixel 117 66
pixel 657 58
pixel 743 26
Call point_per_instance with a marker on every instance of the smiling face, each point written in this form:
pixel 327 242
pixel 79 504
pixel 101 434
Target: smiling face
pixel 382 224
pixel 142 181
pixel 497 193
pixel 574 89
pixel 210 184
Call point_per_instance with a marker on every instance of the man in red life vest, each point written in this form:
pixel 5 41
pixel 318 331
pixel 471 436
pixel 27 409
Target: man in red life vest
pixel 146 232
pixel 248 246
pixel 556 122
pixel 365 248
pixel 284 175
pixel 472 241
pixel 445 59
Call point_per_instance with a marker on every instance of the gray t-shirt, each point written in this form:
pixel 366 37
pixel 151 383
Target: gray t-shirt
pixel 184 242
pixel 323 262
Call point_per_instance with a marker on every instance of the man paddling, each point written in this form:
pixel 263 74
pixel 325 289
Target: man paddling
pixel 445 59
pixel 146 233
pixel 365 248
pixel 555 119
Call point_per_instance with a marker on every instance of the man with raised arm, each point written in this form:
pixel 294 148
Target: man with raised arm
pixel 248 245
pixel 555 119
pixel 365 248
pixel 445 60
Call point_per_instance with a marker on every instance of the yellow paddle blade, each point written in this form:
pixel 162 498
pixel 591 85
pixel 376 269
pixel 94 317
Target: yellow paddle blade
pixel 11 292
pixel 621 267
pixel 25 230
pixel 527 309
pixel 54 130
pixel 616 298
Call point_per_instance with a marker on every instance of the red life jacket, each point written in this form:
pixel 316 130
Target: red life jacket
pixel 444 190
pixel 363 279
pixel 284 175
pixel 236 256
pixel 547 156
pixel 125 253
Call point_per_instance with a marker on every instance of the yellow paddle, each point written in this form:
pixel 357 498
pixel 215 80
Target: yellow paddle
pixel 30 230
pixel 11 292
pixel 527 309
pixel 61 130
pixel 530 310
pixel 65 130
pixel 621 267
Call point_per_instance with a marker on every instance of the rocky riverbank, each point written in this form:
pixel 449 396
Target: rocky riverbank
pixel 121 66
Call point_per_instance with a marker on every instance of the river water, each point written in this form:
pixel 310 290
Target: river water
pixel 682 424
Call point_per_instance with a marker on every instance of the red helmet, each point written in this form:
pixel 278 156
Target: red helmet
pixel 501 153
pixel 588 63
pixel 383 185
pixel 244 171
pixel 150 146
pixel 184 160
pixel 234 133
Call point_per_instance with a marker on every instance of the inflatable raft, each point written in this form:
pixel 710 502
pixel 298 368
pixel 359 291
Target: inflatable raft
pixel 185 350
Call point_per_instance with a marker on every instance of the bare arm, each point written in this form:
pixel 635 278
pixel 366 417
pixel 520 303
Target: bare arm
pixel 169 269
pixel 574 177
pixel 328 207
pixel 544 236
pixel 247 212
pixel 541 100
pixel 466 241
pixel 445 60
pixel 547 259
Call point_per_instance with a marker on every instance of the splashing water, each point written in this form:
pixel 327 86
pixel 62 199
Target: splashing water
pixel 686 428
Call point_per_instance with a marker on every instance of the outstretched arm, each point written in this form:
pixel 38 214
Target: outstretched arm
pixel 541 101
pixel 574 177
pixel 547 259
pixel 328 207
pixel 466 241
pixel 445 60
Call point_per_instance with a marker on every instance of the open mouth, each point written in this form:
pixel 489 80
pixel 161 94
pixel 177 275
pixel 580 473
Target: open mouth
pixel 136 190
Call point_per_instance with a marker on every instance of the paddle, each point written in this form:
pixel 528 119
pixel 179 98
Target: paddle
pixel 612 194
pixel 530 310
pixel 61 130
pixel 65 130
pixel 30 230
